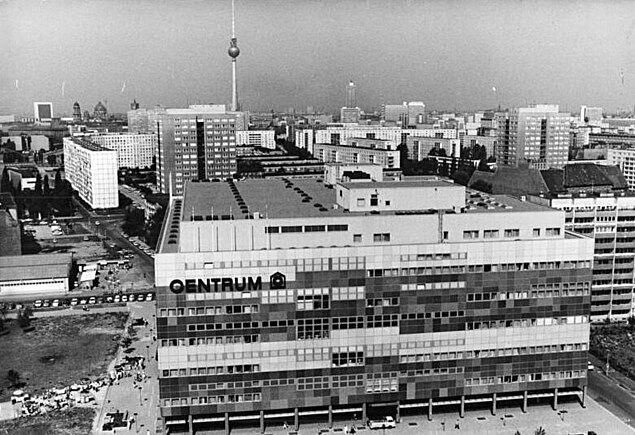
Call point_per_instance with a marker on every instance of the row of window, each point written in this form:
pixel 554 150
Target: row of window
pixel 205 400
pixel 478 268
pixel 491 353
pixel 526 323
pixel 532 377
pixel 305 228
pixel 434 257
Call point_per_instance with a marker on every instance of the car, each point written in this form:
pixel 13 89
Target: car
pixel 92 300
pixel 83 301
pixel 73 302
pixel 384 423
pixel 109 299
pixel 141 298
pixel 149 296
pixel 19 396
pixel 117 299
pixel 124 298
pixel 100 300
pixel 85 238
pixel 590 366
pixel 46 303
pixel 56 303
pixel 37 304
pixel 131 298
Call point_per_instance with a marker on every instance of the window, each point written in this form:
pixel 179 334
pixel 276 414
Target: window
pixel 292 229
pixel 514 232
pixel 313 299
pixel 337 227
pixel 387 203
pixel 348 359
pixel 536 232
pixel 470 234
pixel 381 237
pixel 313 329
pixel 361 202
pixel 314 228
pixel 374 201
pixel 551 232
pixel 357 238
pixel 446 235
pixel 490 234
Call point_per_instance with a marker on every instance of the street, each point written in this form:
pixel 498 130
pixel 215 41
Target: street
pixel 615 392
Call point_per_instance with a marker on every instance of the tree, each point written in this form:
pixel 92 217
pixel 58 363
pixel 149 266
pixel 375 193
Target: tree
pixel 46 186
pixel 540 431
pixel 13 377
pixel 58 183
pixel 24 317
pixel 38 184
pixel 517 432
pixel 5 184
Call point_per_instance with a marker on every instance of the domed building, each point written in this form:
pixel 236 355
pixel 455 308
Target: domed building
pixel 100 113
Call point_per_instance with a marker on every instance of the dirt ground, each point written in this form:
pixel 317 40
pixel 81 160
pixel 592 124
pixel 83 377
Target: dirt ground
pixel 60 351
pixel 74 421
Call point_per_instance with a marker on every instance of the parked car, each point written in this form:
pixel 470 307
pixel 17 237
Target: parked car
pixel 73 302
pixel 92 301
pixel 46 303
pixel 117 298
pixel 384 423
pixel 83 301
pixel 124 298
pixel 56 303
pixel 109 299
pixel 140 298
pixel 590 366
pixel 19 396
pixel 131 298
pixel 149 296
pixel 37 304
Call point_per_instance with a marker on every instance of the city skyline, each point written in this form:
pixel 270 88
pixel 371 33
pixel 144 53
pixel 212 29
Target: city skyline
pixel 458 55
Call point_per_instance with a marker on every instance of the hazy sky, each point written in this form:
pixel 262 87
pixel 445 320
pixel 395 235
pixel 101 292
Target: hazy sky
pixel 449 54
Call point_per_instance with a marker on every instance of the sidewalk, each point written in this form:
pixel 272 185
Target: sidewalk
pixel 127 395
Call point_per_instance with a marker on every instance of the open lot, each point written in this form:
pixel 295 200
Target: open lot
pixel 75 421
pixel 60 351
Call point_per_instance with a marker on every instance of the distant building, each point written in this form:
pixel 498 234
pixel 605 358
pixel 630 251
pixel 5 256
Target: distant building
pixel 25 276
pixel 134 105
pixel 10 235
pixel 100 113
pixel 197 143
pixel 92 171
pixel 77 113
pixel 359 150
pixel 350 115
pixel 408 114
pixel 624 158
pixel 133 150
pixel 259 138
pixel 489 142
pixel 335 172
pixel 537 134
pixel 419 148
pixel 591 115
pixel 351 97
pixel 43 111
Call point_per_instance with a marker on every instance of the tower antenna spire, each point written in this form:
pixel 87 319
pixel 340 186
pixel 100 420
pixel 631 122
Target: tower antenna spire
pixel 233 52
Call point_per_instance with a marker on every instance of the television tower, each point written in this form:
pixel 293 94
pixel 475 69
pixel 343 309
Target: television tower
pixel 233 52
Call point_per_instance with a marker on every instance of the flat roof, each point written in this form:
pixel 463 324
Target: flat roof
pixel 30 267
pixel 85 143
pixel 399 184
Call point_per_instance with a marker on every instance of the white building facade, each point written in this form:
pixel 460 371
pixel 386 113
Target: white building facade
pixel 258 138
pixel 92 171
pixel 133 150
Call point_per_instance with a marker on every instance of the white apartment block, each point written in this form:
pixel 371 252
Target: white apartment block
pixel 357 150
pixel 133 150
pixel 258 138
pixel 92 171
pixel 624 158
pixel 336 134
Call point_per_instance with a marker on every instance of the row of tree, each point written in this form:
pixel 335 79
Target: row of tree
pixel 43 200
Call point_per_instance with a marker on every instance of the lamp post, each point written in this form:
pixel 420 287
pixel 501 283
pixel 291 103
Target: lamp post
pixel 136 423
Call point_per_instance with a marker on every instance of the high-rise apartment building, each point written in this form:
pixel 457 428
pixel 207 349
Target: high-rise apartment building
pixel 289 299
pixel 133 150
pixel 362 150
pixel 351 98
pixel 538 134
pixel 408 114
pixel 92 171
pixel 197 143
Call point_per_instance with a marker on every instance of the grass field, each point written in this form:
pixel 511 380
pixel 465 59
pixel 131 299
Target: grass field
pixel 60 351
pixel 74 421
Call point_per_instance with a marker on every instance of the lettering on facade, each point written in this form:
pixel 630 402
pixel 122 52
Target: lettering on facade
pixel 207 285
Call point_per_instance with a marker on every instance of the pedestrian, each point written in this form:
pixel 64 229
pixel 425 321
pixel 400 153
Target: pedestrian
pixel 457 425
pixel 285 425
pixel 345 428
pixel 443 425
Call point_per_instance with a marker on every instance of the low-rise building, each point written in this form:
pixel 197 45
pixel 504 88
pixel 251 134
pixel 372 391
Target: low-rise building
pixel 419 148
pixel 35 275
pixel 257 138
pixel 10 235
pixel 359 150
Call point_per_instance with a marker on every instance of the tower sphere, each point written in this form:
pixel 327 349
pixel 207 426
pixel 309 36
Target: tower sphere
pixel 233 51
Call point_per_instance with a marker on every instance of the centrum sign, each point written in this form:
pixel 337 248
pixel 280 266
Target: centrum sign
pixel 216 285
pixel 277 281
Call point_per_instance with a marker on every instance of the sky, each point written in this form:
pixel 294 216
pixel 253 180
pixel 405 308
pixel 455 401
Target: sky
pixel 450 54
